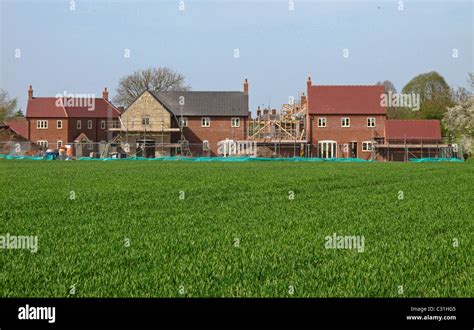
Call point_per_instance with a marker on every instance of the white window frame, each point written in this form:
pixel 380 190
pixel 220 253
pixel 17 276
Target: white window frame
pixel 327 149
pixel 90 145
pixel 183 122
pixel 42 143
pixel 235 122
pixel 343 122
pixel 205 121
pixel 205 145
pixel 370 121
pixel 89 124
pixel 145 120
pixel 79 124
pixel 59 144
pixel 102 124
pixel 368 146
pixel 59 124
pixel 322 122
pixel 41 124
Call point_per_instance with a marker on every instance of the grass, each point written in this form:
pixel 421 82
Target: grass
pixel 187 247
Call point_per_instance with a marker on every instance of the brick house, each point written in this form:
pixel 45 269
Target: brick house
pixel 350 122
pixel 53 121
pixel 344 120
pixel 153 121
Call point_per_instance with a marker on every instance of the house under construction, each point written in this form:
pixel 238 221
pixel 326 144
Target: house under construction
pixel 280 132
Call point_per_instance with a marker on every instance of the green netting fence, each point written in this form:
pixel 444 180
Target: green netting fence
pixel 427 160
pixel 234 159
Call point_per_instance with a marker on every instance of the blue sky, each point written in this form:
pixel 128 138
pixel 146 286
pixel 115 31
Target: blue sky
pixel 82 51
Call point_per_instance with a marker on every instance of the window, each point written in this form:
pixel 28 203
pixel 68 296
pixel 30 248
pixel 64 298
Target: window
pixel 366 146
pixel 42 144
pixel 370 122
pixel 42 124
pixel 345 122
pixel 59 124
pixel 205 122
pixel 90 145
pixel 205 145
pixel 184 122
pixel 89 124
pixel 321 122
pixel 235 122
pixel 327 149
pixel 79 124
pixel 145 121
pixel 102 124
pixel 60 144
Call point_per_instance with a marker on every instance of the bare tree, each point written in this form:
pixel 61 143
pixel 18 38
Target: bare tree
pixel 388 85
pixel 7 105
pixel 155 79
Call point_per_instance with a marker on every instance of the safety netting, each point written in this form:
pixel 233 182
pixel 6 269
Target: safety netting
pixel 427 160
pixel 230 159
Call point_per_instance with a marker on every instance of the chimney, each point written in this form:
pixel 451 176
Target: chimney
pixel 274 112
pixel 303 100
pixel 246 87
pixel 309 82
pixel 265 112
pixel 259 112
pixel 105 94
pixel 308 130
pixel 30 92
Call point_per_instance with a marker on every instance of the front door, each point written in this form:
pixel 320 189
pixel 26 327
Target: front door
pixel 353 150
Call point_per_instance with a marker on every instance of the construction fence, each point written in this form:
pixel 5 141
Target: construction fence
pixel 248 150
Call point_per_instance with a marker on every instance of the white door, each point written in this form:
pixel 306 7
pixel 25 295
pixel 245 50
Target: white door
pixel 327 149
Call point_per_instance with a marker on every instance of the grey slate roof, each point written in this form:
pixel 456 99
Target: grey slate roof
pixel 205 103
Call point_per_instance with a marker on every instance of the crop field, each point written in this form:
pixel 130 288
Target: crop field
pixel 258 229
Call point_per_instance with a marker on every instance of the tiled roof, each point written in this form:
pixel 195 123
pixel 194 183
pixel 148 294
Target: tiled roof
pixel 48 107
pixel 413 129
pixel 205 103
pixel 345 100
pixel 19 125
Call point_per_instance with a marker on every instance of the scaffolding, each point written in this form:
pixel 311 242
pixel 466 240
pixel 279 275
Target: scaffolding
pixel 284 126
pixel 413 148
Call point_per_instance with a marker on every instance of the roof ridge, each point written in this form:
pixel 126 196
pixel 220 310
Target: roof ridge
pixel 346 86
pixel 197 92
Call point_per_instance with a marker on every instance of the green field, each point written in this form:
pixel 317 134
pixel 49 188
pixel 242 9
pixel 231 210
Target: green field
pixel 236 233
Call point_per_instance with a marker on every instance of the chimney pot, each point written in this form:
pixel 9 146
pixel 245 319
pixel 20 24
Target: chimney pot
pixel 30 92
pixel 105 94
pixel 246 87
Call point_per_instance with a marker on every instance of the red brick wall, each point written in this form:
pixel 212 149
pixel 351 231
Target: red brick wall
pixel 51 134
pixel 358 131
pixel 69 132
pixel 220 130
pixel 96 134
